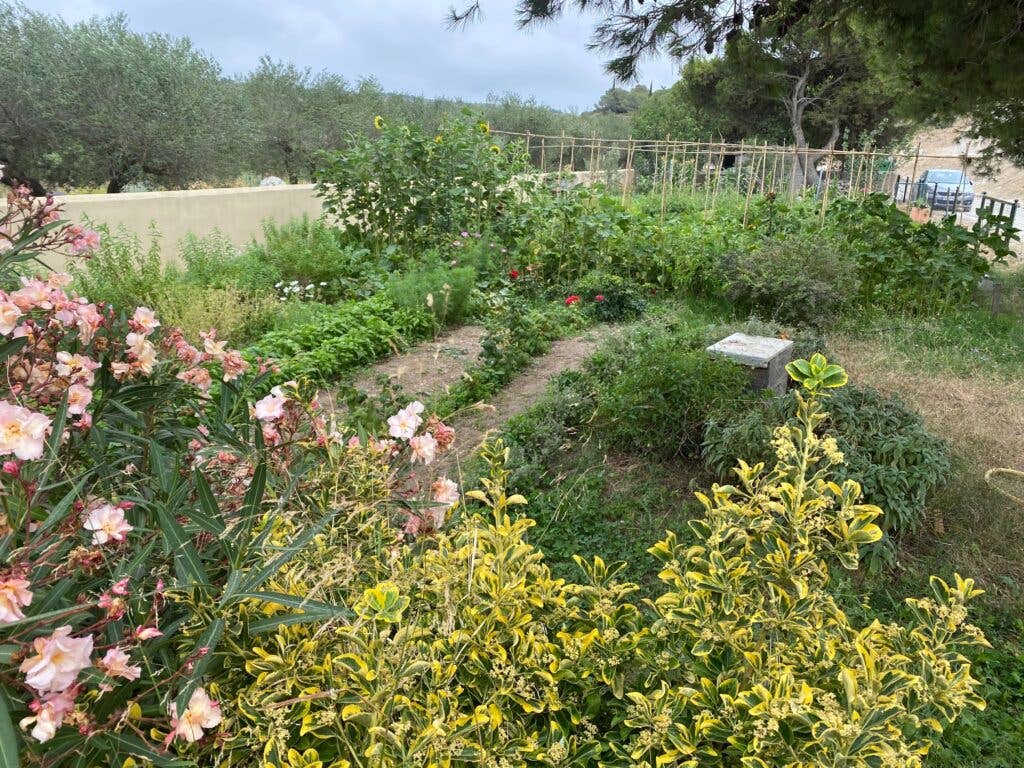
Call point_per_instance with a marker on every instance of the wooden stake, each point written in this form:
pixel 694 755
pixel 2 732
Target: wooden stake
pixel 664 179
pixel 738 165
pixel 775 167
pixel 696 167
pixel 913 174
pixel 593 152
pixel 828 182
pixel 718 176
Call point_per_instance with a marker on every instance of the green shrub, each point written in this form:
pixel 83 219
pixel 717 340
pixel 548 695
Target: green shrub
pixel 406 187
pixel 440 290
pixel 239 318
pixel 915 267
pixel 609 297
pixel 342 338
pixel 886 447
pixel 662 398
pixel 122 272
pixel 466 650
pixel 312 253
pixel 795 281
pixel 213 260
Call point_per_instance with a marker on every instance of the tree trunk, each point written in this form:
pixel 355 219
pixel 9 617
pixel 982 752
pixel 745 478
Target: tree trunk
pixel 115 185
pixel 14 179
pixel 805 162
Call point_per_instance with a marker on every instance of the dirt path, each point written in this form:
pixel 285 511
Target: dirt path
pixel 427 368
pixel 473 425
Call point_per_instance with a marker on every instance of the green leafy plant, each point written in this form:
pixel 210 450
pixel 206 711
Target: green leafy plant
pixel 608 297
pixel 406 187
pixel 441 290
pixel 886 446
pixel 798 280
pixel 663 396
pixel 342 338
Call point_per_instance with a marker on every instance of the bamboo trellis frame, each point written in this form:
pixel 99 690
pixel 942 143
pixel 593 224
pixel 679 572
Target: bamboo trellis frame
pixel 673 164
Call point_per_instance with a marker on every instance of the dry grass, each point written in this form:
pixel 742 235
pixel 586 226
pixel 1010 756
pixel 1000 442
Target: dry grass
pixel 969 527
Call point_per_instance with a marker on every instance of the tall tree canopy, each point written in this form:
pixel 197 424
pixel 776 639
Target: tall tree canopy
pixel 953 57
pixel 95 102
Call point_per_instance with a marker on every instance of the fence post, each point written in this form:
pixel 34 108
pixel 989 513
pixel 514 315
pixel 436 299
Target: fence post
pixel 664 176
pixel 738 166
pixel 913 174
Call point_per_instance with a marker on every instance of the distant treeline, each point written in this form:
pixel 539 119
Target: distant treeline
pixel 95 104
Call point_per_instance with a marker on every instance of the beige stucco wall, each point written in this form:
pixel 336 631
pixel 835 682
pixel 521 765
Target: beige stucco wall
pixel 238 213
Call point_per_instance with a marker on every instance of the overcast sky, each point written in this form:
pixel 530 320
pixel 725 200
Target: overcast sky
pixel 403 43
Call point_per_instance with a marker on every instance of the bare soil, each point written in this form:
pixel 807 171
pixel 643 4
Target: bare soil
pixel 475 424
pixel 427 368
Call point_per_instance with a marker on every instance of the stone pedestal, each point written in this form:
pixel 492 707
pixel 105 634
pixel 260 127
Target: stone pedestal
pixel 766 357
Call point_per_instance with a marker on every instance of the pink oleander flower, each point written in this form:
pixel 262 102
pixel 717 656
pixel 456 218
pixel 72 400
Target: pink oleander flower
pixel 79 369
pixel 59 280
pixel 571 299
pixel 85 242
pixel 201 713
pixel 146 633
pixel 404 424
pixel 22 432
pixel 444 434
pixel 198 377
pixel 424 448
pixel 115 664
pixel 14 595
pixel 89 321
pixel 107 523
pixel 49 714
pixel 142 351
pixel 234 365
pixel 34 294
pixel 445 491
pixel 144 320
pixel 271 407
pixel 57 661
pixel 9 314
pixel 271 436
pixel 212 347
pixel 79 397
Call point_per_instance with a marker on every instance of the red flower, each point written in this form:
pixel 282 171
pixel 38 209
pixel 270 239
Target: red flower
pixel 599 297
pixel 571 300
pixel 514 274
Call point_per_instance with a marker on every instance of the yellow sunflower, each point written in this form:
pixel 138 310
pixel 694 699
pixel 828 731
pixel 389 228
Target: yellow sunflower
pixel 438 139
pixel 378 123
pixel 484 127
pixel 495 149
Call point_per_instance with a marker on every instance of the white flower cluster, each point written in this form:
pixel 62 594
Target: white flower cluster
pixel 295 289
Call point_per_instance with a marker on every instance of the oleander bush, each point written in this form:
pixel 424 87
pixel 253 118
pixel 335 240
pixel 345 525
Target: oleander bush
pixel 886 446
pixel 150 517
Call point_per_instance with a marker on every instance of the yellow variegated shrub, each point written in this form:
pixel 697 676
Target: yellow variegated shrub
pixel 463 650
